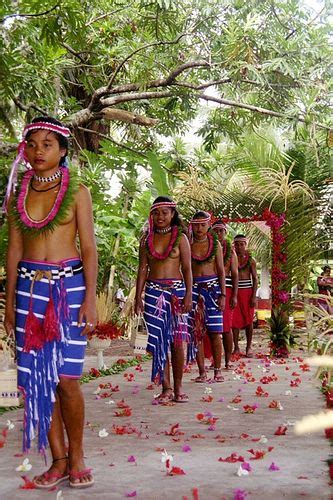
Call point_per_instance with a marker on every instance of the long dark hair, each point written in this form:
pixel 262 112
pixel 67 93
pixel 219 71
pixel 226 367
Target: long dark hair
pixel 62 140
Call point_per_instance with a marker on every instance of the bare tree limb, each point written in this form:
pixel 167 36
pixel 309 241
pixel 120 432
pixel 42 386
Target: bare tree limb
pixel 139 49
pixel 29 15
pixel 103 136
pixel 256 109
pixel 72 51
pixel 107 14
pixel 111 101
pixel 128 117
pixel 26 107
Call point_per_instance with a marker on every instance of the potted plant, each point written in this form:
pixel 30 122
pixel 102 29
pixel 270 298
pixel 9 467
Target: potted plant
pixel 106 330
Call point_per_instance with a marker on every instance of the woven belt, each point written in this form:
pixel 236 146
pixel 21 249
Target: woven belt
pixel 244 284
pixel 228 282
pixel 55 274
pixel 165 286
pixel 207 285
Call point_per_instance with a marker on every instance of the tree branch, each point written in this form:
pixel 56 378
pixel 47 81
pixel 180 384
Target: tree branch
pixel 26 107
pixel 256 109
pixel 72 51
pixel 103 136
pixel 148 45
pixel 29 15
pixel 107 14
pixel 111 101
pixel 128 117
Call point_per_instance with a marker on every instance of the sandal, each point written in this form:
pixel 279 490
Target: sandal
pixel 249 354
pixel 217 375
pixel 181 398
pixel 165 397
pixel 54 478
pixel 78 475
pixel 201 379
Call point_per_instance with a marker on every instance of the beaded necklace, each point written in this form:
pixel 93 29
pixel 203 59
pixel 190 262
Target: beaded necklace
pixel 211 252
pixel 176 233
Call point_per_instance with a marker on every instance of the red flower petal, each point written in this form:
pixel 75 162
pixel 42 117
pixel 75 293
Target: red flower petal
pixel 177 471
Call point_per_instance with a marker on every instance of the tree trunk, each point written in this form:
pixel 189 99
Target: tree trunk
pixel 110 301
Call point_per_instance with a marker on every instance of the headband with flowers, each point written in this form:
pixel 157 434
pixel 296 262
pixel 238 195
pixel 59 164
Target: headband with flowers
pixel 20 158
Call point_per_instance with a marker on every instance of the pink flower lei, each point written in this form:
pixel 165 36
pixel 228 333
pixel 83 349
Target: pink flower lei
pixel 175 233
pixel 210 251
pixel 21 200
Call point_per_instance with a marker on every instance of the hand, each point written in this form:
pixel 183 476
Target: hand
pixel 138 306
pixel 187 303
pixel 233 302
pixel 9 324
pixel 87 314
pixel 253 302
pixel 221 302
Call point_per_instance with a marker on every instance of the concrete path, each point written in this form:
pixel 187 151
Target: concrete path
pixel 130 464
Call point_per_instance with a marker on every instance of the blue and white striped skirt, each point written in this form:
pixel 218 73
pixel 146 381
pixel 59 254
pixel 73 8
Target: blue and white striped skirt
pixel 165 322
pixel 55 353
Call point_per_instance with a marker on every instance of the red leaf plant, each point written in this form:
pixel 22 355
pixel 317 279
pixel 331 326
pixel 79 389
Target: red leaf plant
pixel 109 330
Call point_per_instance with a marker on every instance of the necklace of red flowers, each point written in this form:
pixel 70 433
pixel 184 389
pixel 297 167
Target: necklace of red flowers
pixel 244 260
pixel 176 233
pixel 211 252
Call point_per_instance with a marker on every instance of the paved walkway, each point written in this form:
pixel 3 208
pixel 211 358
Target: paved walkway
pixel 127 463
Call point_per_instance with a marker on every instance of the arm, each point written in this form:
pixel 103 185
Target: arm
pixel 14 255
pixel 253 271
pixel 85 226
pixel 221 276
pixel 234 278
pixel 141 277
pixel 185 259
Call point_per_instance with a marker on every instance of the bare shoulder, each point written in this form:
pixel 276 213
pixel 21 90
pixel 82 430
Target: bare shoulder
pixel 83 196
pixel 184 240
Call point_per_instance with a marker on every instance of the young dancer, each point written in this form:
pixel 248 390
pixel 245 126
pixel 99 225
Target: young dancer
pixel 246 299
pixel 51 287
pixel 230 262
pixel 165 273
pixel 208 293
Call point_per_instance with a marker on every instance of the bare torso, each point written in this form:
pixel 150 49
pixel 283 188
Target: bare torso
pixel 60 244
pixel 202 268
pixel 167 268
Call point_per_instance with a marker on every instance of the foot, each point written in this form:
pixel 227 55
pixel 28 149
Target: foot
pixel 229 367
pixel 165 396
pixel 236 351
pixel 57 473
pixel 201 379
pixel 181 398
pixel 79 475
pixel 217 375
pixel 249 353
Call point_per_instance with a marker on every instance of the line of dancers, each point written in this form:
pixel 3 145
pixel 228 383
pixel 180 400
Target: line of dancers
pixel 195 289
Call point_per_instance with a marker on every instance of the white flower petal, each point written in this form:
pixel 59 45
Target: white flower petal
pixel 242 472
pixel 103 433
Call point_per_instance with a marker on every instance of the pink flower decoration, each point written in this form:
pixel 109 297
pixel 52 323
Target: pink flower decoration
pixel 273 467
pixel 186 448
pixel 240 494
pixel 131 459
pixel 130 494
pixel 283 296
pixel 246 466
